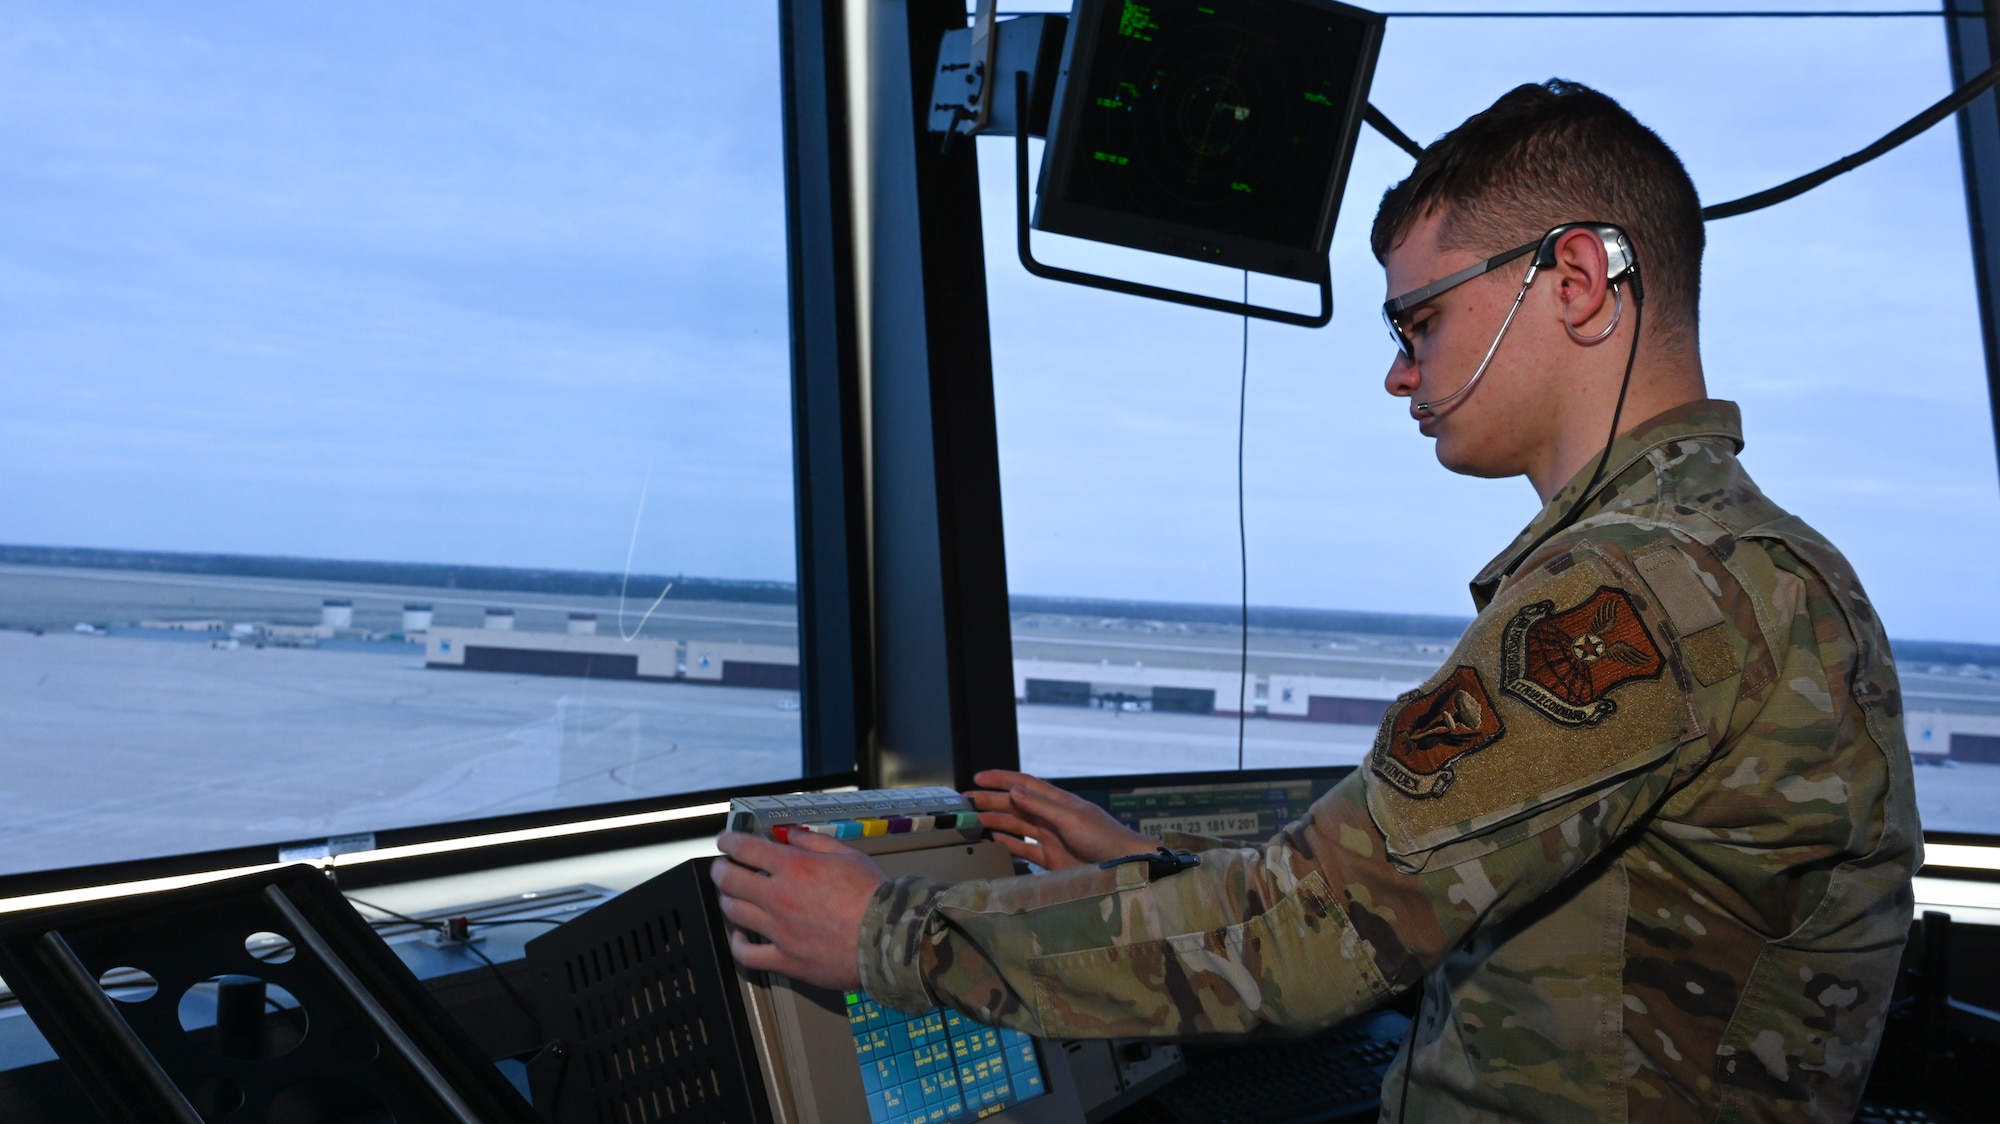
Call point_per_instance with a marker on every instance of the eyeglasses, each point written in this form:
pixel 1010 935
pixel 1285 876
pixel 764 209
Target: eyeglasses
pixel 1622 265
pixel 1393 309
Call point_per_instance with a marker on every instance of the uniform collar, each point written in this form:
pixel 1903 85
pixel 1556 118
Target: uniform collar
pixel 1710 417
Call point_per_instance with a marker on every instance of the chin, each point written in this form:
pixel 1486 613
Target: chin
pixel 1455 456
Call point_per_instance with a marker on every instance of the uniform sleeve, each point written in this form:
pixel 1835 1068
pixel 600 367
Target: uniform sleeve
pixel 1561 720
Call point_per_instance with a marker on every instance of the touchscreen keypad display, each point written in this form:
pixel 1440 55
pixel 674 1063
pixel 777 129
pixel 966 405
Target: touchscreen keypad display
pixel 940 1066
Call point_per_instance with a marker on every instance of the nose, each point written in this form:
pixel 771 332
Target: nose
pixel 1404 377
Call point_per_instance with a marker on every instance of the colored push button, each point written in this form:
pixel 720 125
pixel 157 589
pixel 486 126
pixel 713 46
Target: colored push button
pixel 845 829
pixel 899 825
pixel 968 819
pixel 824 829
pixel 783 832
pixel 874 827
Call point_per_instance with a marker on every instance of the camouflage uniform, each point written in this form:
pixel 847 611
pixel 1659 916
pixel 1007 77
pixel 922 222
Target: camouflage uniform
pixel 1645 839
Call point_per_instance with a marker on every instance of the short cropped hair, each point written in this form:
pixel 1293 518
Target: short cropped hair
pixel 1551 153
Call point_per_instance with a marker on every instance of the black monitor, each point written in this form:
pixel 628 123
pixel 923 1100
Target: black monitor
pixel 1248 806
pixel 1218 130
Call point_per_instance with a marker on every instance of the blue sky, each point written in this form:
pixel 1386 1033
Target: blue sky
pixel 1843 322
pixel 452 281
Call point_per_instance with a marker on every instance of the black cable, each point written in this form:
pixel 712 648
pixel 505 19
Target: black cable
pixel 1380 122
pixel 527 1008
pixel 1243 536
pixel 1576 506
pixel 1951 103
pixel 1410 1063
pixel 403 917
pixel 1617 411
pixel 440 927
pixel 1765 14
pixel 1569 518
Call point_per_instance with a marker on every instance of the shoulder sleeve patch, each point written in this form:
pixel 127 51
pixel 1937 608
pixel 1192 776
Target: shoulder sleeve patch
pixel 1565 662
pixel 1436 728
pixel 1561 684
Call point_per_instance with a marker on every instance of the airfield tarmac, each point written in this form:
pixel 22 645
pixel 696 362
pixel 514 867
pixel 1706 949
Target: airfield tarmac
pixel 115 748
pixel 142 743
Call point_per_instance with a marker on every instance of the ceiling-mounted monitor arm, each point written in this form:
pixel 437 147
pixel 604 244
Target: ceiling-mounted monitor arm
pixel 1135 288
pixel 983 41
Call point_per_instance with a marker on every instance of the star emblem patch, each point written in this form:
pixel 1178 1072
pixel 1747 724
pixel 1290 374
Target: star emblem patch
pixel 1436 728
pixel 1564 664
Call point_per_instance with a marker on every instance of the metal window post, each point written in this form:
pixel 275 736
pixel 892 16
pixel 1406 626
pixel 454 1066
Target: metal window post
pixel 1972 29
pixel 826 412
pixel 944 694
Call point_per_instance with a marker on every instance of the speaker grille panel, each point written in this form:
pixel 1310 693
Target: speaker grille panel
pixel 644 996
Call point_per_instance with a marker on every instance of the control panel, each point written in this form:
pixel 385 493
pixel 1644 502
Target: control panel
pixel 929 817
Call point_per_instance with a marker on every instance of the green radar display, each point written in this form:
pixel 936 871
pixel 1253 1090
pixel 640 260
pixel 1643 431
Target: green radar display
pixel 1218 130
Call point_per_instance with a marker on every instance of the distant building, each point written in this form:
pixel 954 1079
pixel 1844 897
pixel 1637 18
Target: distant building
pixel 1176 690
pixel 583 624
pixel 500 620
pixel 551 653
pixel 1936 736
pixel 590 656
pixel 742 665
pixel 292 635
pixel 195 624
pixel 1347 702
pixel 416 619
pixel 336 613
pixel 1130 687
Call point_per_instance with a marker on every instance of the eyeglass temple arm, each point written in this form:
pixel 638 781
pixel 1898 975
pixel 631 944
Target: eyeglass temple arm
pixel 1411 299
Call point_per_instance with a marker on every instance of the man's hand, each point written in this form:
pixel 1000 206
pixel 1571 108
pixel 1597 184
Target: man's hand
pixel 1065 829
pixel 808 903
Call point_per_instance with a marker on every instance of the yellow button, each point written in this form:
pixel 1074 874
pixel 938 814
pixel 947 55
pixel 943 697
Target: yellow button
pixel 874 827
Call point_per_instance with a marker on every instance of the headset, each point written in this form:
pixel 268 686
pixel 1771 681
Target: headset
pixel 1621 269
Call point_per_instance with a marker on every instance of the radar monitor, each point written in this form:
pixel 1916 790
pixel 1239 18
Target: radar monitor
pixel 1247 806
pixel 1218 130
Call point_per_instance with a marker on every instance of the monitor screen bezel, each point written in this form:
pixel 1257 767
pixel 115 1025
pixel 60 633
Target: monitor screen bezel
pixel 1056 213
pixel 1086 787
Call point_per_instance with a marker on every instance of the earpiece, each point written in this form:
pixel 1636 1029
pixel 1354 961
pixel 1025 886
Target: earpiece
pixel 1621 269
pixel 1621 263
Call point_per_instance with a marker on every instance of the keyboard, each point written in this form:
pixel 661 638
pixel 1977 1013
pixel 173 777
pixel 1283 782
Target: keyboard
pixel 1332 1077
pixel 928 816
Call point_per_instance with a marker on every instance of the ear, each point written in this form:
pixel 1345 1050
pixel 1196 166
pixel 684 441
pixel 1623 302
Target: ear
pixel 1580 286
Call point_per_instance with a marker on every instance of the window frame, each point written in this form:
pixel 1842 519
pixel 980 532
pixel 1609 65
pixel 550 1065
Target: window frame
pixel 830 533
pixel 1972 30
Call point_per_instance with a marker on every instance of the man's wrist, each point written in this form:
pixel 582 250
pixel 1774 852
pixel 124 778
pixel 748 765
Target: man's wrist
pixel 890 952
